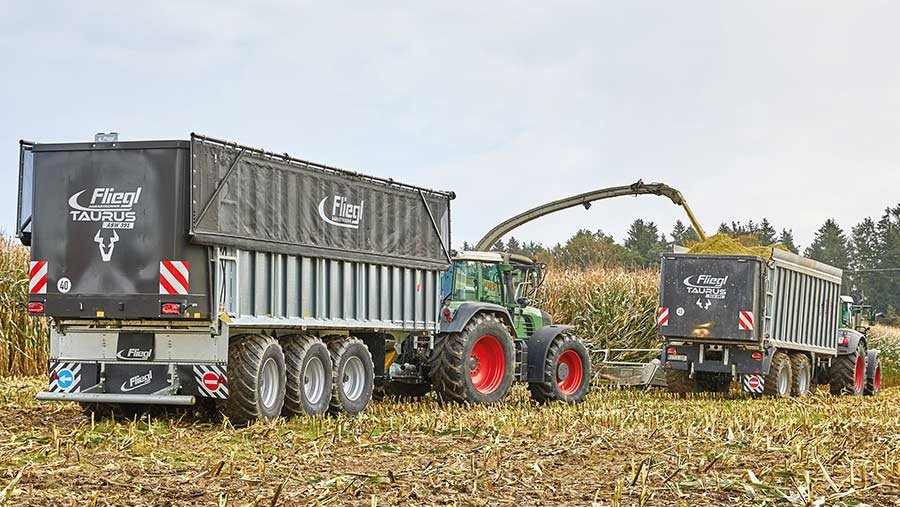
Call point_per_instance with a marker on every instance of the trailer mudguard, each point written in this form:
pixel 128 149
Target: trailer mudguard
pixel 538 345
pixel 853 339
pixel 466 311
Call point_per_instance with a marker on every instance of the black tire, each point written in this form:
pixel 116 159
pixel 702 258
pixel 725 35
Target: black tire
pixel 247 384
pixel 713 382
pixel 680 382
pixel 308 376
pixel 778 381
pixel 843 373
pixel 354 376
pixel 453 362
pixel 873 385
pixel 569 380
pixel 800 385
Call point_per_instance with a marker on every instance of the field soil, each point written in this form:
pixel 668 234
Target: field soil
pixel 619 448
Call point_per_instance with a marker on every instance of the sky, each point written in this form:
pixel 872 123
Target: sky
pixel 784 110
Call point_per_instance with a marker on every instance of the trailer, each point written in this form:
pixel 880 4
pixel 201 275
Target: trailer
pixel 183 271
pixel 779 326
pixel 206 272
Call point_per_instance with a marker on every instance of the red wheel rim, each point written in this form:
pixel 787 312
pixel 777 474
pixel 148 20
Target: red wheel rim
pixel 569 372
pixel 876 382
pixel 860 379
pixel 487 364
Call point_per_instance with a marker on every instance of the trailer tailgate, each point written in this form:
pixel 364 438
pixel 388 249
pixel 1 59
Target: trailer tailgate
pixel 714 297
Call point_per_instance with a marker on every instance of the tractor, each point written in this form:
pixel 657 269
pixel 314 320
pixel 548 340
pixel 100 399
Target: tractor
pixel 491 336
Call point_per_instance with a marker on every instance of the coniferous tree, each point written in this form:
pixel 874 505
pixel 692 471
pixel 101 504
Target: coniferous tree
pixel 830 245
pixel 787 240
pixel 766 233
pixel 644 242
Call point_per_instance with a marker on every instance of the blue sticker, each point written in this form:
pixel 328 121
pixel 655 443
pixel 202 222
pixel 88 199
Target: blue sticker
pixel 65 378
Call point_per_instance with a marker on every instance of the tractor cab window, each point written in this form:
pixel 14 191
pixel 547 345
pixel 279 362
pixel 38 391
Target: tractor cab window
pixel 491 282
pixel 846 315
pixel 465 281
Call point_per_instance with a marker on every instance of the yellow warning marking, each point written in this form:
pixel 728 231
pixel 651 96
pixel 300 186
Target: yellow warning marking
pixel 197 315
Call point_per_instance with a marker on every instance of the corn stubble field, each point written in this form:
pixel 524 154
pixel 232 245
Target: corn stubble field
pixel 622 447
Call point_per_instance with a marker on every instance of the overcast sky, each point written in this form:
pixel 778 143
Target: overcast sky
pixel 788 110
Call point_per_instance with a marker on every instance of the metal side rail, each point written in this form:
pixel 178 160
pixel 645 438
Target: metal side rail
pixel 625 373
pixel 95 394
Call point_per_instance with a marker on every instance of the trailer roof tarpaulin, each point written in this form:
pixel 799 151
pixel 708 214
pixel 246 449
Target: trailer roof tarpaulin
pixel 249 198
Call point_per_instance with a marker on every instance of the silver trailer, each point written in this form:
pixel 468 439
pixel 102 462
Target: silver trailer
pixel 203 271
pixel 778 325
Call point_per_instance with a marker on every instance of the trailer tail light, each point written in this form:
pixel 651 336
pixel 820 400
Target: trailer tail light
pixel 844 339
pixel 757 356
pixel 448 315
pixel 671 351
pixel 35 307
pixel 170 309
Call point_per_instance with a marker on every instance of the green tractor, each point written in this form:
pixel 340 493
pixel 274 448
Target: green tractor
pixel 491 336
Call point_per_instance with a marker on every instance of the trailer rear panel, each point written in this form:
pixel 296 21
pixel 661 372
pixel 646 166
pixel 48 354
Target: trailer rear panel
pixel 107 231
pixel 790 301
pixel 710 296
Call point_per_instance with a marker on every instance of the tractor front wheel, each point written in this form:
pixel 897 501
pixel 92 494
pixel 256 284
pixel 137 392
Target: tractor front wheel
pixel 476 365
pixel 873 385
pixel 567 372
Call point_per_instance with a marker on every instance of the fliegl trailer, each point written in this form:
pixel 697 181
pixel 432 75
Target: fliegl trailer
pixel 178 272
pixel 779 326
pixel 207 272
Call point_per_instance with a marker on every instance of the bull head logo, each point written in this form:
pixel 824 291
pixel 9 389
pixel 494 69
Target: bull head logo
pixel 106 251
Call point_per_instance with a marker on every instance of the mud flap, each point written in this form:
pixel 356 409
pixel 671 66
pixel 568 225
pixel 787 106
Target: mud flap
pixel 753 384
pixel 71 377
pixel 206 380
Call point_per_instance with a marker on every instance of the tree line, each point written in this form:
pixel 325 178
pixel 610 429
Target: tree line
pixel 869 253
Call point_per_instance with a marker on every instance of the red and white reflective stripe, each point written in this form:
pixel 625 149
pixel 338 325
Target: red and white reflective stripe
pixel 745 321
pixel 662 316
pixel 173 277
pixel 37 277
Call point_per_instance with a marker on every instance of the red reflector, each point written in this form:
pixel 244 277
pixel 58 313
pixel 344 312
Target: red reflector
pixel 671 351
pixel 54 375
pixel 448 315
pixel 756 355
pixel 170 309
pixel 845 340
pixel 35 307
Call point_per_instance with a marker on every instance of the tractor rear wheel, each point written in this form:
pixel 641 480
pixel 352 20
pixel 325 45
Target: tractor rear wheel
pixel 778 381
pixel 680 382
pixel 567 372
pixel 256 379
pixel 848 372
pixel 354 376
pixel 476 365
pixel 873 385
pixel 801 374
pixel 309 376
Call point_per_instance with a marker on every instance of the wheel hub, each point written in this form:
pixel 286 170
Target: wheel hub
pixel 562 371
pixel 487 364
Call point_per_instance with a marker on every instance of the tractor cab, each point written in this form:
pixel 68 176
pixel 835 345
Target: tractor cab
pixel 504 279
pixel 857 316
